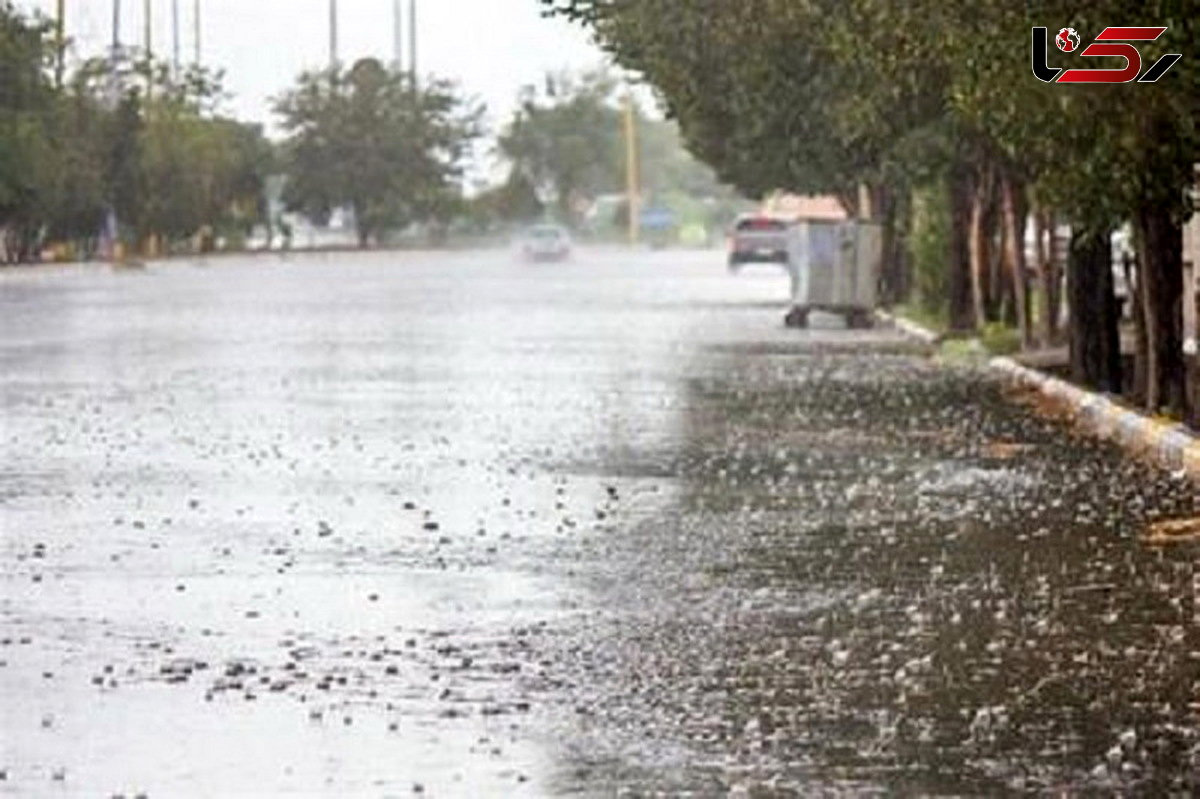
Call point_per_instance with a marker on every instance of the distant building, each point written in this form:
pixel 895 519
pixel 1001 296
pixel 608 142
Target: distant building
pixel 796 206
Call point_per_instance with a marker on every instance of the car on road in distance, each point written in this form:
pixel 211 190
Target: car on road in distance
pixel 546 243
pixel 756 238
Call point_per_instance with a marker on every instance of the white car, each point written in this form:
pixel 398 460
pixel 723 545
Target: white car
pixel 546 243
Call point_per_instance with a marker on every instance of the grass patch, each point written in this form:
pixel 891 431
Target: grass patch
pixel 1000 339
pixel 913 312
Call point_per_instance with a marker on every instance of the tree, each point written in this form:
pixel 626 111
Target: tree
pixel 26 103
pixel 514 201
pixel 565 140
pixel 369 140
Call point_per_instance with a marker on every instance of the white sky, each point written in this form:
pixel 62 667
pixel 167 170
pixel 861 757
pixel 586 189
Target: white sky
pixel 491 47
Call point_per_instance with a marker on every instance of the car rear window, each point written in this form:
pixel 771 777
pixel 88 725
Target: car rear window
pixel 760 223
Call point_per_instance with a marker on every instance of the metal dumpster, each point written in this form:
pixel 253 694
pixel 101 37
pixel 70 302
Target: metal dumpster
pixel 834 267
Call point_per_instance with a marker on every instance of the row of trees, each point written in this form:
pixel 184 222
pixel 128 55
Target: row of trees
pixel 932 107
pixel 370 140
pixel 123 138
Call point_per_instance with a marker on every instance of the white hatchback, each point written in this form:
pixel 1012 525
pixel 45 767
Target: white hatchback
pixel 546 243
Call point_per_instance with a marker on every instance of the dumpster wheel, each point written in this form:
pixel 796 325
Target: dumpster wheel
pixel 797 317
pixel 860 319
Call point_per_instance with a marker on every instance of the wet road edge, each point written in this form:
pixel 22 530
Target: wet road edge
pixel 1168 444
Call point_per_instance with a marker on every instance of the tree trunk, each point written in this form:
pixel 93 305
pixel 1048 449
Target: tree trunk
pixel 902 227
pixel 1013 214
pixel 1003 304
pixel 362 230
pixel 1094 336
pixel 1191 313
pixel 958 262
pixel 883 206
pixel 1137 305
pixel 979 243
pixel 1048 322
pixel 1054 289
pixel 1160 251
pixel 848 198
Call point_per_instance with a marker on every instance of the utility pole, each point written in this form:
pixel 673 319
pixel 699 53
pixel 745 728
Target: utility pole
pixel 196 32
pixel 175 36
pixel 631 172
pixel 147 29
pixel 116 28
pixel 148 45
pixel 116 253
pixel 333 34
pixel 397 35
pixel 412 41
pixel 60 43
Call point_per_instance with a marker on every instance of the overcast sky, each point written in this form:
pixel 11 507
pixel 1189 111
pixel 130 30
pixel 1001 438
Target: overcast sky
pixel 492 47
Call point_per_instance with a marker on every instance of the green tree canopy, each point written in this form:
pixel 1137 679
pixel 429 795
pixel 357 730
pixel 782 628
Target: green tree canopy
pixel 367 139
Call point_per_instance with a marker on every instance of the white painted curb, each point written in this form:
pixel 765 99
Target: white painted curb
pixel 910 329
pixel 1170 445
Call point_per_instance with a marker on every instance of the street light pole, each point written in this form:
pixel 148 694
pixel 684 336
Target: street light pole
pixel 333 34
pixel 60 44
pixel 631 172
pixel 175 37
pixel 116 255
pixel 196 32
pixel 397 35
pixel 412 41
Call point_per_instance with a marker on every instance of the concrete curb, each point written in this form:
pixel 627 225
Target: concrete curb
pixel 910 329
pixel 1170 445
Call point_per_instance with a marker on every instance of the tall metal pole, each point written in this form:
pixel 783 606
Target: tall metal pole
pixel 147 29
pixel 60 43
pixel 397 35
pixel 196 32
pixel 175 35
pixel 116 253
pixel 631 172
pixel 333 34
pixel 148 44
pixel 412 41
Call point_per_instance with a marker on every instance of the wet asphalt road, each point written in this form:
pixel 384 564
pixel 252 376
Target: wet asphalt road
pixel 391 524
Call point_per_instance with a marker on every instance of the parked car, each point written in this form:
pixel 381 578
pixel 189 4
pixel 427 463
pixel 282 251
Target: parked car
pixel 546 243
pixel 758 239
